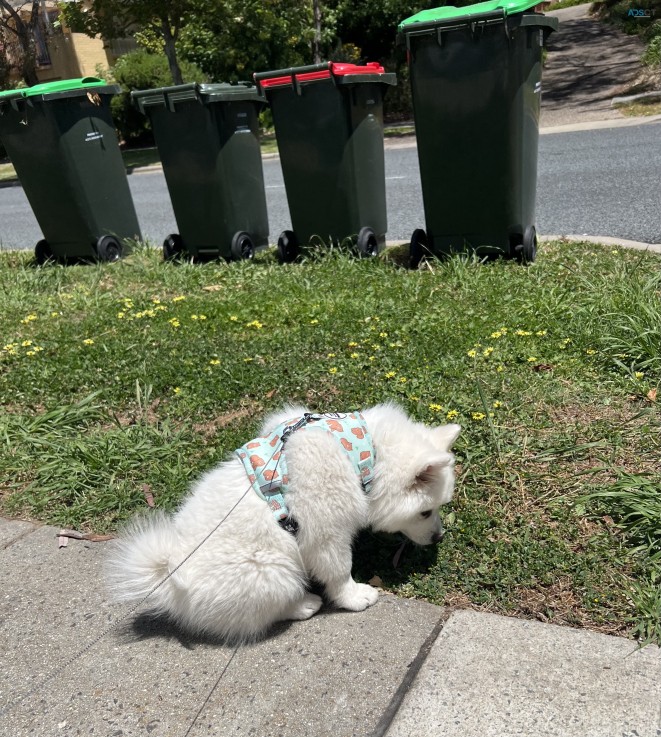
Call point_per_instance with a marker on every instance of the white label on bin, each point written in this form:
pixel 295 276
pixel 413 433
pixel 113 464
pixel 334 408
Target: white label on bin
pixel 538 87
pixel 93 136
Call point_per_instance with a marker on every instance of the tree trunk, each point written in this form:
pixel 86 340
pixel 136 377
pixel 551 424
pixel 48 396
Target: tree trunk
pixel 171 51
pixel 24 33
pixel 316 39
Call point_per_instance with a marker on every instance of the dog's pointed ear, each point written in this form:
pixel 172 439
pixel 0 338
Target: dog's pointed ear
pixel 430 471
pixel 443 437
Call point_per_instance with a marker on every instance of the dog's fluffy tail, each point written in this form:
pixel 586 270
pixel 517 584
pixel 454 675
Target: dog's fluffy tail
pixel 139 565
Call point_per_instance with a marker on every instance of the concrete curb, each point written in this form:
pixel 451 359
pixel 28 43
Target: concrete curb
pixel 605 240
pixel 649 96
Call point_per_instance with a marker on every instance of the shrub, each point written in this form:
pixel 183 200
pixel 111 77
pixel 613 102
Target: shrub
pixel 141 70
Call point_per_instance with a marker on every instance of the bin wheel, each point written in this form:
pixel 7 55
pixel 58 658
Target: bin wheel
pixel 108 249
pixel 417 247
pixel 527 251
pixel 367 243
pixel 287 247
pixel 173 247
pixel 242 247
pixel 43 252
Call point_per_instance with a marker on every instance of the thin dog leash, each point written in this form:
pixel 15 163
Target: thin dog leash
pixel 50 676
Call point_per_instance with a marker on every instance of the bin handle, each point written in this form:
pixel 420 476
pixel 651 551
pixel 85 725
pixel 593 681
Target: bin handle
pixel 291 72
pixel 542 22
pixel 19 104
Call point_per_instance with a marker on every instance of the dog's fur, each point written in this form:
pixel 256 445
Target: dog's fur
pixel 250 573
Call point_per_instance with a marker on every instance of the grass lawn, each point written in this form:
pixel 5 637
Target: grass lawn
pixel 136 376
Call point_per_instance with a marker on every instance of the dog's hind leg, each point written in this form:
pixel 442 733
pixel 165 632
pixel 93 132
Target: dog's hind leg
pixel 304 608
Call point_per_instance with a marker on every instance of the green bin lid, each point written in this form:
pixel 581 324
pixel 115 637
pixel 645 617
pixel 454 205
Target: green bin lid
pixel 452 14
pixel 63 85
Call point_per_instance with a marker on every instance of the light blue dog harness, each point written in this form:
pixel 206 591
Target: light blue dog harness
pixel 266 465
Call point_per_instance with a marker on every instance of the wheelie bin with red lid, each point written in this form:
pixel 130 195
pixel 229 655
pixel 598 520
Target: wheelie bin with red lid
pixel 328 121
pixel 61 139
pixel 476 83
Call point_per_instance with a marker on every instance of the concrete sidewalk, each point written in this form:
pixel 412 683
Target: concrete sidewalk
pixel 73 664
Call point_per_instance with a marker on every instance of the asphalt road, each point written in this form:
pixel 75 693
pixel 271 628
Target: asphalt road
pixel 599 182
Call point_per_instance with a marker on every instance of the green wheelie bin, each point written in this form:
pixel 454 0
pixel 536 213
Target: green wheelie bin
pixel 62 142
pixel 208 140
pixel 328 121
pixel 476 83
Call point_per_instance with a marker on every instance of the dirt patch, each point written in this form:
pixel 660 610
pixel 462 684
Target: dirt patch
pixel 210 428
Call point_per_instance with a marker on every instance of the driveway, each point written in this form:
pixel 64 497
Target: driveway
pixel 589 63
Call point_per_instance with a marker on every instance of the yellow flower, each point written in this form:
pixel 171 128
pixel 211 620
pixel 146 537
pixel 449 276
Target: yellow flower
pixel 541 333
pixel 353 344
pixel 532 359
pixel 176 390
pixel 403 379
pixel 435 407
pixel 413 398
pixel 452 414
pixel 500 368
pixel 55 314
pixel 330 355
pixel 30 353
pixel 26 343
pixel 214 361
pixel 523 332
pixel 478 416
pixel 497 404
pixel 202 317
pixel 391 374
pixel 383 335
pixel 487 351
pixel 255 324
pixel 355 355
pixel 314 322
pixel 193 317
pixel 590 351
pixel 472 353
pixel 332 370
pixel 497 334
pixel 233 318
pixel 372 358
pixel 174 322
pixel 639 374
pixel 29 318
pixel 121 315
pixel 248 360
pixel 178 299
pixel 88 341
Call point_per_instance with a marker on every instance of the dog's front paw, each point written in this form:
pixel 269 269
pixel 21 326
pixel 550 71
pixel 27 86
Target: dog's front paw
pixel 357 596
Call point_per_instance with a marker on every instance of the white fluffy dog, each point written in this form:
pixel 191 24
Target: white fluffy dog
pixel 239 579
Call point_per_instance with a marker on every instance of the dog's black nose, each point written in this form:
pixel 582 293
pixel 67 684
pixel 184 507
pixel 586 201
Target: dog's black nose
pixel 437 537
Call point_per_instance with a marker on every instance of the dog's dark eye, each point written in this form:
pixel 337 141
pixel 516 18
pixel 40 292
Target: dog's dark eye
pixel 426 514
